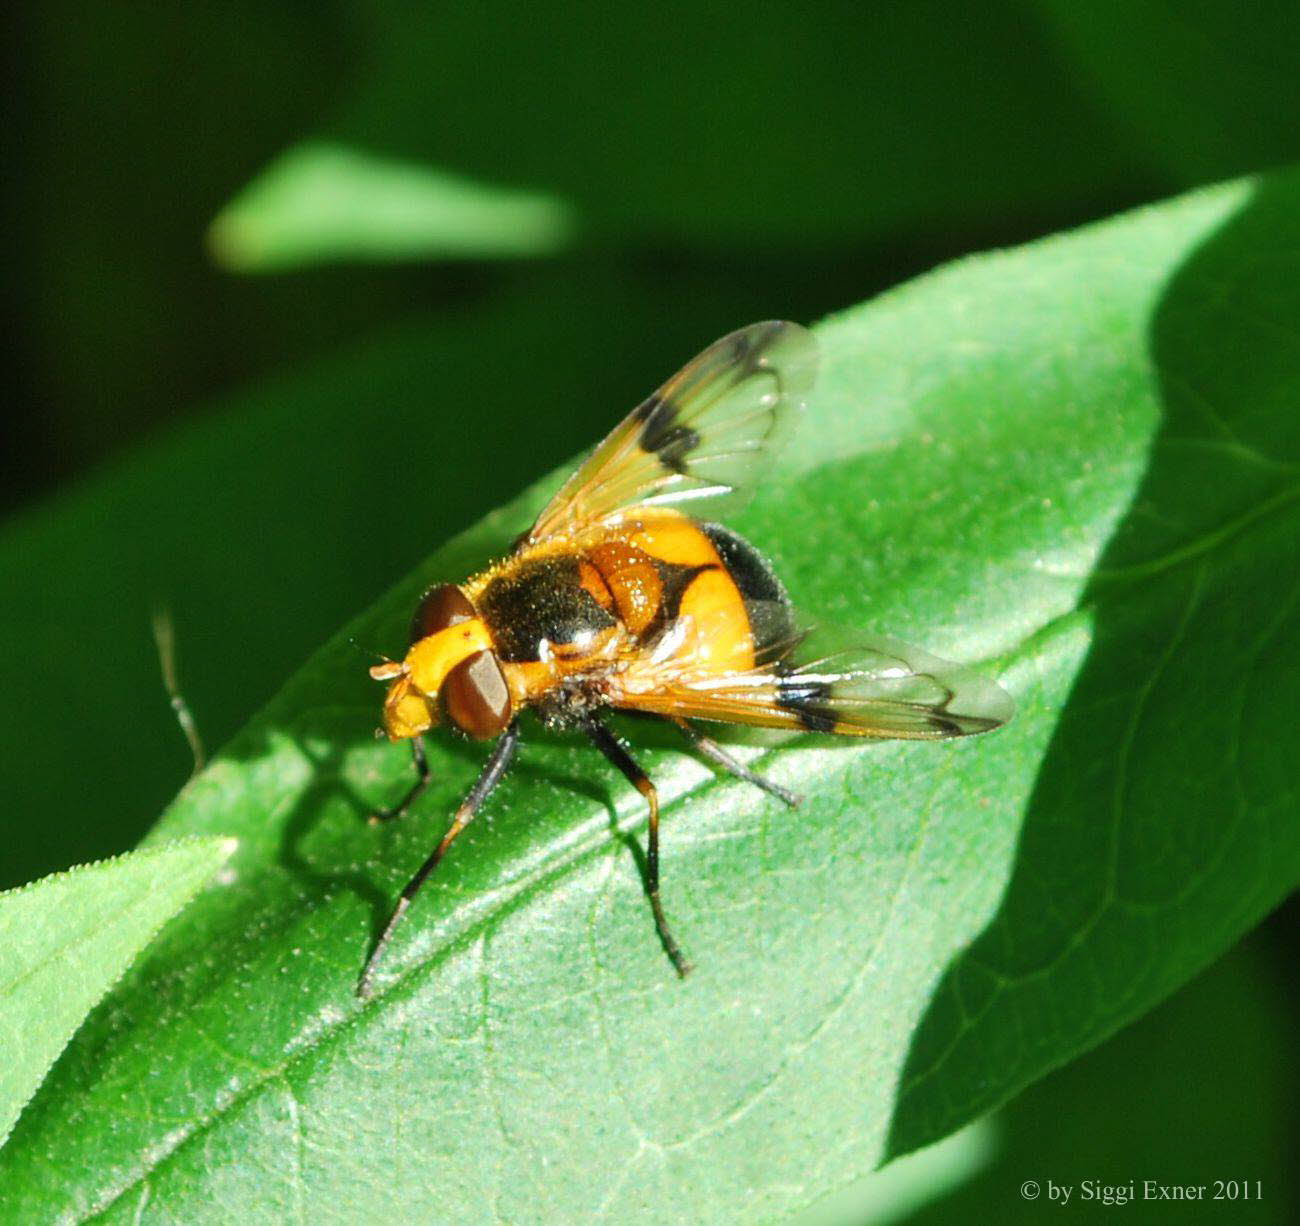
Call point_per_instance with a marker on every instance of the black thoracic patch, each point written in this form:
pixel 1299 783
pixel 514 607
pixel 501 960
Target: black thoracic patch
pixel 539 601
pixel 663 435
pixel 771 619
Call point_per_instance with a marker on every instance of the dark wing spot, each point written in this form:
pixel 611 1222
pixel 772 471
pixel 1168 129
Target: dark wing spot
pixel 662 436
pixel 816 721
pixel 948 727
pixel 810 701
pixel 744 356
pixel 676 448
pixel 750 349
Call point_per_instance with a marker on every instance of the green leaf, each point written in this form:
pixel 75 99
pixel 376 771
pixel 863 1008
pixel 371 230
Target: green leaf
pixel 65 939
pixel 1076 462
pixel 320 202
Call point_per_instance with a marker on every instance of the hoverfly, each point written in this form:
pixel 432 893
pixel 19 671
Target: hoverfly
pixel 617 599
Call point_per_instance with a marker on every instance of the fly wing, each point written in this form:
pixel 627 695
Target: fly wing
pixel 880 687
pixel 711 430
pixel 868 687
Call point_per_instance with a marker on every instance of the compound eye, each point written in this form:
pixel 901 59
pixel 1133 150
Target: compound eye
pixel 475 696
pixel 440 607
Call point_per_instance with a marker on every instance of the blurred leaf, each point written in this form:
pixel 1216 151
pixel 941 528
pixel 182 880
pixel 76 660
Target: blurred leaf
pixel 323 203
pixel 131 126
pixel 1071 458
pixel 1202 93
pixel 911 1182
pixel 699 124
pixel 65 939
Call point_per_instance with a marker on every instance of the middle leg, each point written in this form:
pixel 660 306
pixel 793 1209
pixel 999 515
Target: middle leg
pixel 612 748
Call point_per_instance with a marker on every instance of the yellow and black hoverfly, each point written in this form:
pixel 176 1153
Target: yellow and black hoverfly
pixel 617 599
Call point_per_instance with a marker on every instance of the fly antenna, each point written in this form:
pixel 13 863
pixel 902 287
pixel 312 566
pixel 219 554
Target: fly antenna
pixel 386 669
pixel 370 652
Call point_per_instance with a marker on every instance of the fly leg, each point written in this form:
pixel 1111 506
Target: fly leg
pixel 502 755
pixel 421 782
pixel 610 746
pixel 710 749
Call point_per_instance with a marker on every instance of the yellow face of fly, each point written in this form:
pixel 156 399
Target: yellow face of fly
pixel 411 706
pixel 407 713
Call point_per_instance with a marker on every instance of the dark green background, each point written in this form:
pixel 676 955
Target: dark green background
pixel 266 454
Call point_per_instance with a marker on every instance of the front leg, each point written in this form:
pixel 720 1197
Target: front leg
pixel 502 755
pixel 609 745
pixel 413 793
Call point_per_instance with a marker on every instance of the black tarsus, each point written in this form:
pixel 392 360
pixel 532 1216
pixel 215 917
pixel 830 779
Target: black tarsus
pixel 612 748
pixel 497 764
pixel 715 753
pixel 413 793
